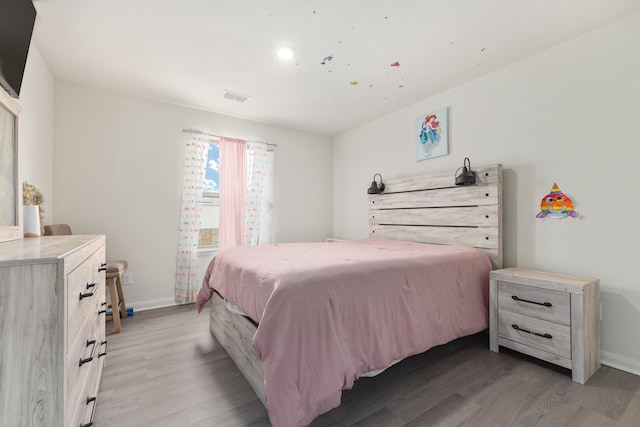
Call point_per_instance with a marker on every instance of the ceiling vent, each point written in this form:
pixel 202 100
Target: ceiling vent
pixel 234 96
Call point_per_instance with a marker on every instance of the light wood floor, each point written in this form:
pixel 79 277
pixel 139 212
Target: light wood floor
pixel 165 369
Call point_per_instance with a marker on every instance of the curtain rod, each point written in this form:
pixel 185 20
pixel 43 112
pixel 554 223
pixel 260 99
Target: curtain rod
pixel 201 132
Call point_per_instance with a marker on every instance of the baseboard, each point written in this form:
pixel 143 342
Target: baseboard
pixel 620 362
pixel 154 303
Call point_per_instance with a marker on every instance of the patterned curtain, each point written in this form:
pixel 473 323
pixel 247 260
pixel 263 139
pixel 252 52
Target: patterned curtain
pixel 195 162
pixel 259 202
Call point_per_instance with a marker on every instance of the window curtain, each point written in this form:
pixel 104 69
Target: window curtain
pixel 259 202
pixel 187 280
pixel 233 178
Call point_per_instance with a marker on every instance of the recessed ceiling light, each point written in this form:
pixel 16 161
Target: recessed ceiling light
pixel 285 53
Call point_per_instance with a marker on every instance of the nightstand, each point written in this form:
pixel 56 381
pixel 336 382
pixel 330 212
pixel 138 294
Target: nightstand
pixel 549 316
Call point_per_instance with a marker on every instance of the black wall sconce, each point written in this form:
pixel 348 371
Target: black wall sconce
pixel 375 187
pixel 467 176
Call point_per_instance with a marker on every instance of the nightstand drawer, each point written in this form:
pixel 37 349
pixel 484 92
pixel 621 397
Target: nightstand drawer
pixel 540 303
pixel 557 340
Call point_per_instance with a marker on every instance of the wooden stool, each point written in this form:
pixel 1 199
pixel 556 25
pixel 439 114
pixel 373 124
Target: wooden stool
pixel 115 269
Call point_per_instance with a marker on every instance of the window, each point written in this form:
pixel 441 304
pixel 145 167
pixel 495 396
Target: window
pixel 210 203
pixel 211 185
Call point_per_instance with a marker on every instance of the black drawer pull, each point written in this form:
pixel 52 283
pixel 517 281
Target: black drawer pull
pixel 518 328
pixel 93 411
pixel 546 304
pixel 103 311
pixel 103 267
pixel 87 360
pixel 88 294
pixel 104 353
pixel 90 358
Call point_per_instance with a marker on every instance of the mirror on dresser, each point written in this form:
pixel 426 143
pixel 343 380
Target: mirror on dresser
pixel 10 168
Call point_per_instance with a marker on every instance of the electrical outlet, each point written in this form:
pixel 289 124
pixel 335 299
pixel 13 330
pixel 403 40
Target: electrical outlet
pixel 127 278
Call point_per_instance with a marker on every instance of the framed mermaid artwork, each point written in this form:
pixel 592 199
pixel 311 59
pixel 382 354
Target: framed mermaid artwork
pixel 432 135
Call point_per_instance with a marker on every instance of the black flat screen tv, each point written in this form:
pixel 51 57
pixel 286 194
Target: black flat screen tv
pixel 17 18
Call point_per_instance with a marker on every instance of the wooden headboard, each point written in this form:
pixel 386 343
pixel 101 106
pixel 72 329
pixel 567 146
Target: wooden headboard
pixel 432 209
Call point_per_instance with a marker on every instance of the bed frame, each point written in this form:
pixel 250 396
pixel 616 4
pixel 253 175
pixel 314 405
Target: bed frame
pixel 428 209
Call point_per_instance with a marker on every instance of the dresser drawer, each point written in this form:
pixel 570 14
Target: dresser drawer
pixel 86 402
pixel 85 292
pixel 86 347
pixel 544 304
pixel 559 342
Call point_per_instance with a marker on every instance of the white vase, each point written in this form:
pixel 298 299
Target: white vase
pixel 31 218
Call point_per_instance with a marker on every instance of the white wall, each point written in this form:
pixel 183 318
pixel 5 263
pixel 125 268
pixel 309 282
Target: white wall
pixel 569 115
pixel 36 99
pixel 118 171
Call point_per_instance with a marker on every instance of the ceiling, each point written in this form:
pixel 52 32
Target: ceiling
pixel 188 52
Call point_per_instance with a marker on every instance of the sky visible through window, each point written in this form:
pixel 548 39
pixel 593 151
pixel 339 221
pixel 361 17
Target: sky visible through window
pixel 212 175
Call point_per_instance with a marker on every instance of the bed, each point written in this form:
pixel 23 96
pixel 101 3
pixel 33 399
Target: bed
pixel 317 316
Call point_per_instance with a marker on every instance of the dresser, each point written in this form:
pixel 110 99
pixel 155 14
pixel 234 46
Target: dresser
pixel 52 329
pixel 549 316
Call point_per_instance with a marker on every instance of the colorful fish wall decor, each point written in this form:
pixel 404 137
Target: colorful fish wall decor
pixel 556 204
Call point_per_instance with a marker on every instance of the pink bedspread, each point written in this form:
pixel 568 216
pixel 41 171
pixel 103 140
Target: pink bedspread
pixel 329 312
